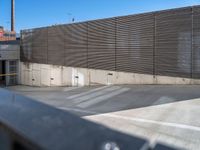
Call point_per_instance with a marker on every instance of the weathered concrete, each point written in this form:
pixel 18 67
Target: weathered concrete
pixel 36 74
pixel 98 77
pixel 50 75
pixel 45 75
pixel 172 80
pixel 67 76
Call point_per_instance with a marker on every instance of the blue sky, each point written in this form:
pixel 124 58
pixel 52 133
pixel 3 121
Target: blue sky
pixel 38 13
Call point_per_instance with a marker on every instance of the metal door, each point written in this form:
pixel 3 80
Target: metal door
pixel 11 72
pixel 75 77
pixel 110 78
pixel 36 78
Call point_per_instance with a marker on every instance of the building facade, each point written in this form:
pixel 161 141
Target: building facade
pixel 7 35
pixel 9 62
pixel 160 47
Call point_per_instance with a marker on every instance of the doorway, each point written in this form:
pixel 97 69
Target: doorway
pixel 2 73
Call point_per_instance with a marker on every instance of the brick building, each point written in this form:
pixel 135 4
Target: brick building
pixel 7 35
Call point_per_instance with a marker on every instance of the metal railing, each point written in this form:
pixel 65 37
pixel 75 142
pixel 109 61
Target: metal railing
pixel 10 74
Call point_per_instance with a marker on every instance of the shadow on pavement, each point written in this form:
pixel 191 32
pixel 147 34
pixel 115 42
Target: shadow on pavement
pixel 30 125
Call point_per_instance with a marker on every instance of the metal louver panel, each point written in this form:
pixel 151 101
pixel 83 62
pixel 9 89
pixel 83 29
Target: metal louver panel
pixel 26 46
pixel 173 43
pixel 163 43
pixel 76 45
pixel 196 42
pixel 134 43
pixel 39 45
pixel 56 45
pixel 101 44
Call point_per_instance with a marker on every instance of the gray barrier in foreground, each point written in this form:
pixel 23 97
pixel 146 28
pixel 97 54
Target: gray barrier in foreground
pixel 29 125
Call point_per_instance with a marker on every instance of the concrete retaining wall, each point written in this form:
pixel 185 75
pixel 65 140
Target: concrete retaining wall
pixel 50 75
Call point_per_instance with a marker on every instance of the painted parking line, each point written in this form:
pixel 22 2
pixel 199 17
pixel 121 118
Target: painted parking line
pixel 67 89
pixel 93 95
pixel 77 110
pixel 102 98
pixel 140 120
pixel 168 124
pixel 85 93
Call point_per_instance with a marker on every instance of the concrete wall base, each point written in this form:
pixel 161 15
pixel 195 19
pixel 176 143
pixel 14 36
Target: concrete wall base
pixel 33 74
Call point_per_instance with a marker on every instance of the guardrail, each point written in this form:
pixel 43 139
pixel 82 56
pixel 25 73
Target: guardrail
pixel 29 125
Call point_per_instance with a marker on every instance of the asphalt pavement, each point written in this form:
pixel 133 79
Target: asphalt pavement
pixel 160 113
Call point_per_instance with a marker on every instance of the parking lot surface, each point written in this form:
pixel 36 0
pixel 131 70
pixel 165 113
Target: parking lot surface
pixel 160 113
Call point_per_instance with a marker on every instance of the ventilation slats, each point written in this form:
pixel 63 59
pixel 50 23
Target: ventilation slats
pixel 196 42
pixel 39 45
pixel 56 45
pixel 101 44
pixel 76 45
pixel 134 43
pixel 26 46
pixel 173 43
pixel 165 43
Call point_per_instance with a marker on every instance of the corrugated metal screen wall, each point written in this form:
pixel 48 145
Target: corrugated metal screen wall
pixel 134 45
pixel 76 46
pixel 196 42
pixel 101 44
pixel 173 43
pixel 160 43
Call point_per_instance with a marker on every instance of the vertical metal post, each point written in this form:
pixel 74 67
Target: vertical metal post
pixel 154 46
pixel 192 63
pixel 7 78
pixel 115 44
pixel 12 15
pixel 87 44
pixel 47 38
pixel 18 71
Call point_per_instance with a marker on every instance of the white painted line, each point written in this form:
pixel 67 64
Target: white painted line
pixel 145 146
pixel 95 94
pixel 70 88
pixel 175 125
pixel 102 98
pixel 77 110
pixel 164 100
pixel 85 93
pixel 167 124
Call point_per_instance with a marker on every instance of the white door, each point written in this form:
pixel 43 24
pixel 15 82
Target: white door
pixel 56 76
pixel 110 78
pixel 36 79
pixel 75 77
